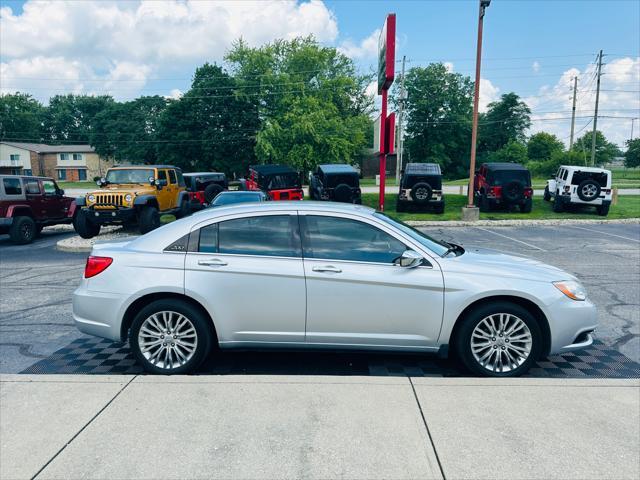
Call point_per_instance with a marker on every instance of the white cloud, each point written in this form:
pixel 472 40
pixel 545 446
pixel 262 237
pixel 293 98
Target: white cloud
pixel 535 66
pixel 488 93
pixel 367 48
pixel 175 94
pixel 111 39
pixel 448 66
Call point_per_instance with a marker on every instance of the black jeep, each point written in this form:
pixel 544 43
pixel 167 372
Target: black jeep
pixel 203 187
pixel 503 185
pixel 335 182
pixel 421 187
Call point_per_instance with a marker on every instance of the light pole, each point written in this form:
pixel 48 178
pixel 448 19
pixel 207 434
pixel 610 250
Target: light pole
pixel 470 212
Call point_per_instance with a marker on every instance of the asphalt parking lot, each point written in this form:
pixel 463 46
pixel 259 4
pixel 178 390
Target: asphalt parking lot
pixel 36 282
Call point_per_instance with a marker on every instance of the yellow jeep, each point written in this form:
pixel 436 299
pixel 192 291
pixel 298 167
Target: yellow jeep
pixel 134 194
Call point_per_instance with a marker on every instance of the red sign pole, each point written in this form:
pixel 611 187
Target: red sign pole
pixel 383 149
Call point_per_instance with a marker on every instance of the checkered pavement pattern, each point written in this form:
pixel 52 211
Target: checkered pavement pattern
pixel 90 355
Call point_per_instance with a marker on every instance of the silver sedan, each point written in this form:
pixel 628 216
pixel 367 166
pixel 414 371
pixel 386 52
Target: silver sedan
pixel 319 275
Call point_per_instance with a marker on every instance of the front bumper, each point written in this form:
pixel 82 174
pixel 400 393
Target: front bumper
pixel 571 324
pixel 98 313
pixel 105 216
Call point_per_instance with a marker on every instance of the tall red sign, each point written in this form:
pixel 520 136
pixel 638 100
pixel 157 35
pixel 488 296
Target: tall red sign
pixel 386 73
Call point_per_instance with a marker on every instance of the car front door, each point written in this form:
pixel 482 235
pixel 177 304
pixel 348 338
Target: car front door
pixel 357 295
pixel 249 272
pixel 54 203
pixel 164 193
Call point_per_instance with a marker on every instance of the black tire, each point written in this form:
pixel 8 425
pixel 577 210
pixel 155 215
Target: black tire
pixel 439 209
pixel 22 230
pixel 343 193
pixel 558 205
pixel 199 321
pixel 603 210
pixel 185 208
pixel 39 228
pixel 483 203
pixel 547 195
pixel 513 192
pixel 462 340
pixel 401 207
pixel 149 219
pixel 85 227
pixel 588 190
pixel 211 191
pixel 421 193
pixel 526 206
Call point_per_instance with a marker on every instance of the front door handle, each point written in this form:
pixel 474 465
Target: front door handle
pixel 327 268
pixel 213 262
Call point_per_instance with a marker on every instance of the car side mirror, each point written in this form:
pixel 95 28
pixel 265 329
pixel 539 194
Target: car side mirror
pixel 101 182
pixel 160 184
pixel 409 259
pixel 61 192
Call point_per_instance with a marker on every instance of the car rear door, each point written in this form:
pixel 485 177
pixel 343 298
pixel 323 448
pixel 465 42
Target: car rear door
pixel 248 270
pixel 355 293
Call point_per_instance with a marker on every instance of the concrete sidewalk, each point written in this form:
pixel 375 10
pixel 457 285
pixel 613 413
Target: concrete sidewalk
pixel 98 427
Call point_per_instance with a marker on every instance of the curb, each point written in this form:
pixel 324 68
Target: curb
pixel 518 223
pixel 77 244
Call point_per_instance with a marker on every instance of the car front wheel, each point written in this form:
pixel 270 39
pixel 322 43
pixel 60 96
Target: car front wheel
pixel 170 337
pixel 500 339
pixel 22 230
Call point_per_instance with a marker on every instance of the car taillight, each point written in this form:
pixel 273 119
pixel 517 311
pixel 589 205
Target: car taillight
pixel 96 265
pixel 607 191
pixel 528 192
pixel 497 191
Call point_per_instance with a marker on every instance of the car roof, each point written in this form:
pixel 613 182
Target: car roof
pixel 144 167
pixel 337 168
pixel 585 169
pixel 25 177
pixel 504 166
pixel 423 168
pixel 272 169
pixel 194 174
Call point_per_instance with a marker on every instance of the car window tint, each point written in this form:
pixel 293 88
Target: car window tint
pixel 334 238
pixel 162 174
pixel 270 235
pixel 49 187
pixel 209 239
pixel 32 188
pixel 12 186
pixel 172 177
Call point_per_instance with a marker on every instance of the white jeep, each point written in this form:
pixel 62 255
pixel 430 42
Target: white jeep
pixel 575 185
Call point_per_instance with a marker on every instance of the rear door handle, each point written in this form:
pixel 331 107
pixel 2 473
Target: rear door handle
pixel 327 269
pixel 213 262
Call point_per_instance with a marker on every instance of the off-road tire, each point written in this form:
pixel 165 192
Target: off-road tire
pixel 558 205
pixel 342 193
pixel 200 322
pixel 526 206
pixel 22 230
pixel 211 191
pixel 483 203
pixel 462 340
pixel 596 189
pixel 438 209
pixel 421 193
pixel 185 208
pixel 547 194
pixel 513 192
pixel 85 227
pixel 603 210
pixel 149 219
pixel 401 207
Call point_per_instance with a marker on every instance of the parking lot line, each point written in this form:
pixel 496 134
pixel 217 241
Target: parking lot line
pixel 604 233
pixel 511 238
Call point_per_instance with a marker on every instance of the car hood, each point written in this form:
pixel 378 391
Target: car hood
pixel 484 261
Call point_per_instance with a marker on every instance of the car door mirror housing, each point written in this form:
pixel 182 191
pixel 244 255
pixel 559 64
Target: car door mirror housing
pixel 409 259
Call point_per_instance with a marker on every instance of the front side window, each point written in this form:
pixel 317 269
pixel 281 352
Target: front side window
pixel 271 235
pixel 172 177
pixel 132 175
pixel 566 172
pixel 49 187
pixel 162 175
pixel 12 186
pixel 64 156
pixel 335 238
pixel 32 188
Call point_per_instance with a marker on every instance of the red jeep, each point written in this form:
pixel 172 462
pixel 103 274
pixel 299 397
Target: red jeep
pixel 278 181
pixel 29 203
pixel 503 185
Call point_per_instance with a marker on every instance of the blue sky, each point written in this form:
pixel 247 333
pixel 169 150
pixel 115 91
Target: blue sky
pixel 530 47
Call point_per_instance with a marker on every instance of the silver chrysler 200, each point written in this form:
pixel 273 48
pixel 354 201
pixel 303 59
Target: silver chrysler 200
pixel 319 275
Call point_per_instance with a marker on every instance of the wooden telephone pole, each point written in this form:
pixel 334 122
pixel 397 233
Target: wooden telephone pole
pixel 595 116
pixel 573 111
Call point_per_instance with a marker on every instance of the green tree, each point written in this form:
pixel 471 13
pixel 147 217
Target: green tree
pixel 20 118
pixel 514 152
pixel 129 131
pixel 439 108
pixel 505 120
pixel 548 168
pixel 69 118
pixel 632 155
pixel 211 127
pixel 542 145
pixel 310 102
pixel 605 150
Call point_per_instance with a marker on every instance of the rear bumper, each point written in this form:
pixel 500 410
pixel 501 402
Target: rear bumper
pixel 288 194
pixel 97 313
pixel 436 197
pixel 107 216
pixel 575 200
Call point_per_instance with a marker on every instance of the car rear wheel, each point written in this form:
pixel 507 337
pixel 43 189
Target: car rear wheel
pixel 603 210
pixel 170 337
pixel 185 208
pixel 483 203
pixel 558 206
pixel 22 230
pixel 547 195
pixel 526 206
pixel 499 339
pixel 149 219
pixel 84 227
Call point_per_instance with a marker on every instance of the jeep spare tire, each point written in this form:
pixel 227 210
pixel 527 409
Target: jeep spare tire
pixel 421 192
pixel 85 227
pixel 588 190
pixel 149 219
pixel 211 192
pixel 342 193
pixel 513 192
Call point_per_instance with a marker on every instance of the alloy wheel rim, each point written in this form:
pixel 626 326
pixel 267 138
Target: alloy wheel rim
pixel 501 342
pixel 167 339
pixel 26 231
pixel 421 193
pixel 589 190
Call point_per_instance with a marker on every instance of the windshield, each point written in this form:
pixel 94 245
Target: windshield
pixel 437 247
pixel 133 175
pixel 228 198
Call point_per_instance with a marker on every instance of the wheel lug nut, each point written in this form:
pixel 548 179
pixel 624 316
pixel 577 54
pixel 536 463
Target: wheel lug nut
pixel 493 339
pixel 161 336
pixel 502 348
pixel 506 340
pixel 173 345
pixel 495 346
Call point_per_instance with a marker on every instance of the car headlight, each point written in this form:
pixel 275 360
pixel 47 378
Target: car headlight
pixel 128 198
pixel 91 198
pixel 571 289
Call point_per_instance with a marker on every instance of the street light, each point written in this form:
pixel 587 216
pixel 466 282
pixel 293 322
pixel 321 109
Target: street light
pixel 470 212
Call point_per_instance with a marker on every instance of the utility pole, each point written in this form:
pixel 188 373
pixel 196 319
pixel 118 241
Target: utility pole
pixel 403 96
pixel 595 116
pixel 573 111
pixel 632 120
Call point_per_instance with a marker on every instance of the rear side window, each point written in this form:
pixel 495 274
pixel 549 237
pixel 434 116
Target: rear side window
pixel 334 238
pixel 564 176
pixel 12 186
pixel 32 188
pixel 172 177
pixel 272 236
